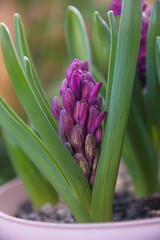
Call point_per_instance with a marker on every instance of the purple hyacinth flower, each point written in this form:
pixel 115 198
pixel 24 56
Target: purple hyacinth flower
pixel 116 7
pixel 80 117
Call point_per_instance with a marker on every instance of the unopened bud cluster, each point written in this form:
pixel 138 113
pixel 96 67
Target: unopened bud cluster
pixel 80 117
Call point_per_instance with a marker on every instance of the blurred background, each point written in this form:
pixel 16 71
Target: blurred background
pixel 44 25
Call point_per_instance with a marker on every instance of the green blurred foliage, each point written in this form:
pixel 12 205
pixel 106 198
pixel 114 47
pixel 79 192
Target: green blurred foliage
pixel 44 24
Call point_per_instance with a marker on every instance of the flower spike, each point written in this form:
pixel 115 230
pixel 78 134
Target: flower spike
pixel 80 118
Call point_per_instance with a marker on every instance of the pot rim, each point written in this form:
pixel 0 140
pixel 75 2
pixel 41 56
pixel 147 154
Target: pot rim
pixel 132 223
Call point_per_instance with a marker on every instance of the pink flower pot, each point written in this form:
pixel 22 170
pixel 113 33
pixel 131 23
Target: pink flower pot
pixel 12 195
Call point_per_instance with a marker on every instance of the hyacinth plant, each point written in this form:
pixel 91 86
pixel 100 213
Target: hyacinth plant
pixel 72 147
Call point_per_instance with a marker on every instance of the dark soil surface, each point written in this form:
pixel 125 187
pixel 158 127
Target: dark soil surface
pixel 125 207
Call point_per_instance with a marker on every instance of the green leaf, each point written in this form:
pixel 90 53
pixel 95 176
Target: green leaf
pixel 37 93
pixel 76 36
pixel 23 50
pixel 114 132
pixel 145 155
pixel 38 188
pixel 101 42
pixel 112 57
pixel 152 80
pixel 37 151
pixel 158 57
pixel 41 122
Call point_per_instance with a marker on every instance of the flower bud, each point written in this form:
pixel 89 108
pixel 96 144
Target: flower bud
pixel 74 83
pixel 98 136
pixel 89 78
pixel 95 162
pixel 65 123
pixel 98 121
pixel 68 100
pixel 98 102
pixel 84 66
pixel 90 146
pixel 74 66
pixel 82 164
pixel 80 112
pixel 56 107
pixel 93 113
pixel 63 87
pixel 95 92
pixel 69 147
pixel 86 90
pixel 77 138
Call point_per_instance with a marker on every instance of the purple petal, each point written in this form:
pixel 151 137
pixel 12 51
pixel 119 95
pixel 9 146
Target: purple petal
pixel 85 66
pixel 95 163
pixel 98 102
pixel 77 138
pixel 63 87
pixel 88 77
pixel 90 147
pixel 80 112
pixel 95 92
pixel 98 135
pixel 74 66
pixel 65 123
pixel 82 164
pixel 75 82
pixel 93 113
pixel 98 121
pixel 68 100
pixel 87 89
pixel 56 107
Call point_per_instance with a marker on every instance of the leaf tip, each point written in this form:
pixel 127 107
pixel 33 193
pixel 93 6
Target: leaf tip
pixel 16 15
pixel 3 27
pixel 71 8
pixel 110 13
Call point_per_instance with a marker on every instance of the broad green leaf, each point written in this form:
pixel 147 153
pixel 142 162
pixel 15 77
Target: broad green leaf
pixel 101 42
pixel 152 80
pixel 38 188
pixel 37 151
pixel 114 131
pixel 145 159
pixel 158 57
pixel 67 164
pixel 23 50
pixel 112 57
pixel 76 36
